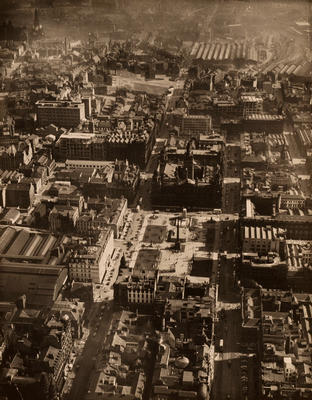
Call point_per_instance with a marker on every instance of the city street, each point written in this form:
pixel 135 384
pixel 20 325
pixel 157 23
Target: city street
pixel 229 234
pixel 228 328
pixel 85 363
pixel 227 362
pixel 213 245
pixel 231 200
pixel 231 181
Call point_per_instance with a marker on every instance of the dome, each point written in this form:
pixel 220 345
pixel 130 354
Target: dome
pixel 182 362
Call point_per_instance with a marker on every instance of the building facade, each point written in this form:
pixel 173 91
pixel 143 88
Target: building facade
pixel 88 263
pixel 262 240
pixel 67 114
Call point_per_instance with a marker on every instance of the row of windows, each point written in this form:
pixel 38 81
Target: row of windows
pixel 59 118
pixel 293 200
pixel 140 294
pixel 262 242
pixel 58 111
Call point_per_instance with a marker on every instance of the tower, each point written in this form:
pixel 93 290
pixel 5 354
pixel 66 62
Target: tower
pixel 36 19
pixel 189 162
pixel 37 28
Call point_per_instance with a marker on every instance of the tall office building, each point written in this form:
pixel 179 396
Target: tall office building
pixel 67 114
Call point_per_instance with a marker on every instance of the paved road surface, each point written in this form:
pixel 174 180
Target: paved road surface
pixel 229 232
pixel 227 362
pixel 86 361
pixel 231 183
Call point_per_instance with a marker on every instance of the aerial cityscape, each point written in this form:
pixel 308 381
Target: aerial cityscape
pixel 155 200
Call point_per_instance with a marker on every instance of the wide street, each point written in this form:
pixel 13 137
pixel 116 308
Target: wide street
pixel 229 236
pixel 231 181
pixel 229 357
pixel 227 372
pixel 227 362
pixel 228 329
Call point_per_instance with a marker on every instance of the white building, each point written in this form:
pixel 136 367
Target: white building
pixel 260 239
pixel 88 263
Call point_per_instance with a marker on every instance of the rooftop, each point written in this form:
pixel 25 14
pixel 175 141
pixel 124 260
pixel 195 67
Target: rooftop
pixel 27 245
pixel 264 117
pixel 77 135
pixel 58 104
pixel 249 98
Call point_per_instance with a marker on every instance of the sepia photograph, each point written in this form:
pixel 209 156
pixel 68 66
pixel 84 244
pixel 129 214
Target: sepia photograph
pixel 155 199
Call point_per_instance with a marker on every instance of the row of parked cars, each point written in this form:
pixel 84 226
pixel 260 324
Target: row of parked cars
pixel 247 364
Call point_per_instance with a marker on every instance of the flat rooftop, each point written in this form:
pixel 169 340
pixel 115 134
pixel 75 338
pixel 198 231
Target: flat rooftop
pixel 264 117
pixel 57 104
pixel 251 99
pixel 77 135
